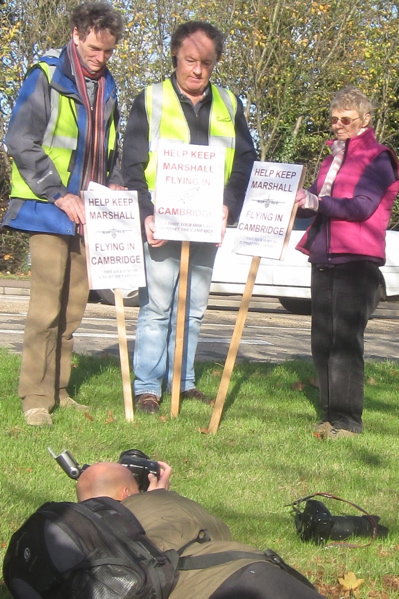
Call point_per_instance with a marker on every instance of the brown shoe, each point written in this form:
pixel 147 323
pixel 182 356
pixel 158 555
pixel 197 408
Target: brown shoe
pixel 322 429
pixel 194 393
pixel 148 402
pixel 38 417
pixel 339 433
pixel 68 402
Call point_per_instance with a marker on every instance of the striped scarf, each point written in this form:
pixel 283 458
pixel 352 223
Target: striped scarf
pixel 94 160
pixel 337 150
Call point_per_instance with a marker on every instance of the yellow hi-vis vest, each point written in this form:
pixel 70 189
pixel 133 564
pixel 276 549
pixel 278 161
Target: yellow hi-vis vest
pixel 166 120
pixel 59 141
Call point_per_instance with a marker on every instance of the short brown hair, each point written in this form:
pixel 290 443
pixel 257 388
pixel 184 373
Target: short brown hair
pixel 97 16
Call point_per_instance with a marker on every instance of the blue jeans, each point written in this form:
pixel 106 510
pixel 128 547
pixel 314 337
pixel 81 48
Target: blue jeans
pixel 156 324
pixel 343 299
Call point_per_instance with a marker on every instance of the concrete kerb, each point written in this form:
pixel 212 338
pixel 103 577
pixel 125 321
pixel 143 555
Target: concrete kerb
pixel 14 287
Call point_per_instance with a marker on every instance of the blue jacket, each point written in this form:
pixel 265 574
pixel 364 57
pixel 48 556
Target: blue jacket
pixel 33 166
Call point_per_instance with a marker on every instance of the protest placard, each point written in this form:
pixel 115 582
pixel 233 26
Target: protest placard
pixel 189 192
pixel 113 239
pixel 268 212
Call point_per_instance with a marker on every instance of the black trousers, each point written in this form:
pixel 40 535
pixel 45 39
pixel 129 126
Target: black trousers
pixel 263 580
pixel 343 299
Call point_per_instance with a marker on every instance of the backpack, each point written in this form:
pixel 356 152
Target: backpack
pixel 96 549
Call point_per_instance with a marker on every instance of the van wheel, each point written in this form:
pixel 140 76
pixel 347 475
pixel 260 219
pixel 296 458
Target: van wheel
pixel 130 298
pixel 296 305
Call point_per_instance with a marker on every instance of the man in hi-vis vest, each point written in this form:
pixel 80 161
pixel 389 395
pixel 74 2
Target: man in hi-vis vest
pixel 62 135
pixel 187 108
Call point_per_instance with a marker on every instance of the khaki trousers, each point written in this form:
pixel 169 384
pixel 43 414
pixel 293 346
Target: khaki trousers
pixel 58 297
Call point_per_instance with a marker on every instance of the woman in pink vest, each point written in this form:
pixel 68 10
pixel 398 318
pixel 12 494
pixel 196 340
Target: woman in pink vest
pixel 351 202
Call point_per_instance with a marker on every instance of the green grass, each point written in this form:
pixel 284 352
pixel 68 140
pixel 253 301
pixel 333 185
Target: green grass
pixel 16 276
pixel 263 457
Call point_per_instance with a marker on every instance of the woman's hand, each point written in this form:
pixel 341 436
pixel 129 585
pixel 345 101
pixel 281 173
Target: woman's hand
pixel 308 200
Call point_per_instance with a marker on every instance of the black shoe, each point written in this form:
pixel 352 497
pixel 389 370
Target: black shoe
pixel 194 393
pixel 148 402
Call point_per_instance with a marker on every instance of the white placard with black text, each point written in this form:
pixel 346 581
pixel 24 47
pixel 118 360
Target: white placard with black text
pixel 189 192
pixel 267 215
pixel 113 239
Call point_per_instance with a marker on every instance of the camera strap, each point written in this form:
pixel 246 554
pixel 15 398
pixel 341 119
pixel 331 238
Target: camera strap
pixel 296 508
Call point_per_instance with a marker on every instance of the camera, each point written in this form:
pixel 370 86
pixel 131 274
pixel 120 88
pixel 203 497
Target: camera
pixel 137 461
pixel 140 466
pixel 315 523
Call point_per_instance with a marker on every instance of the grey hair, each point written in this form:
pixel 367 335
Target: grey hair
pixel 351 98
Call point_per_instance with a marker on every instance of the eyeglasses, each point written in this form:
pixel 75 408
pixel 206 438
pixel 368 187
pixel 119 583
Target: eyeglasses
pixel 345 120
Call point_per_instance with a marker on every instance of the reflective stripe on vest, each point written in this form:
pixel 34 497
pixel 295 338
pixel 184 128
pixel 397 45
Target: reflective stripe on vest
pixel 161 102
pixel 59 141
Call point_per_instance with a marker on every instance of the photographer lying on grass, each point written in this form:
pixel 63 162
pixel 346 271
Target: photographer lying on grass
pixel 171 521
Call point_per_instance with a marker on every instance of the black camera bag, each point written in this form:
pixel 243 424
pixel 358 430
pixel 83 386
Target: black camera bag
pixel 96 549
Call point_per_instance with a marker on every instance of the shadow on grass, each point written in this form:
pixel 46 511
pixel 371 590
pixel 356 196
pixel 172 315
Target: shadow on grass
pixel 302 375
pixel 297 373
pixel 86 368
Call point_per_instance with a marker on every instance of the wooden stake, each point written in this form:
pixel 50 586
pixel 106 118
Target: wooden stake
pixel 124 356
pixel 234 345
pixel 181 317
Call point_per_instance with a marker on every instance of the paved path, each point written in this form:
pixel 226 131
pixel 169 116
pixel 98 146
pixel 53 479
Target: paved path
pixel 270 333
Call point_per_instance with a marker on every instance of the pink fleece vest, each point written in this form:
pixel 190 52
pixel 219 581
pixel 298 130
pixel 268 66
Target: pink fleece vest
pixel 357 237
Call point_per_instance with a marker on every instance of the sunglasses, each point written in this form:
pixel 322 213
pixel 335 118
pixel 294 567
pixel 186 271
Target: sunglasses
pixel 345 120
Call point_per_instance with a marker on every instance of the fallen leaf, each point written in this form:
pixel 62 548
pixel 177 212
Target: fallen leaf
pixel 89 416
pixel 326 590
pixel 372 381
pixel 298 386
pixel 204 431
pixel 392 582
pixel 349 582
pixel 163 418
pixel 314 382
pixel 110 417
pixel 14 431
